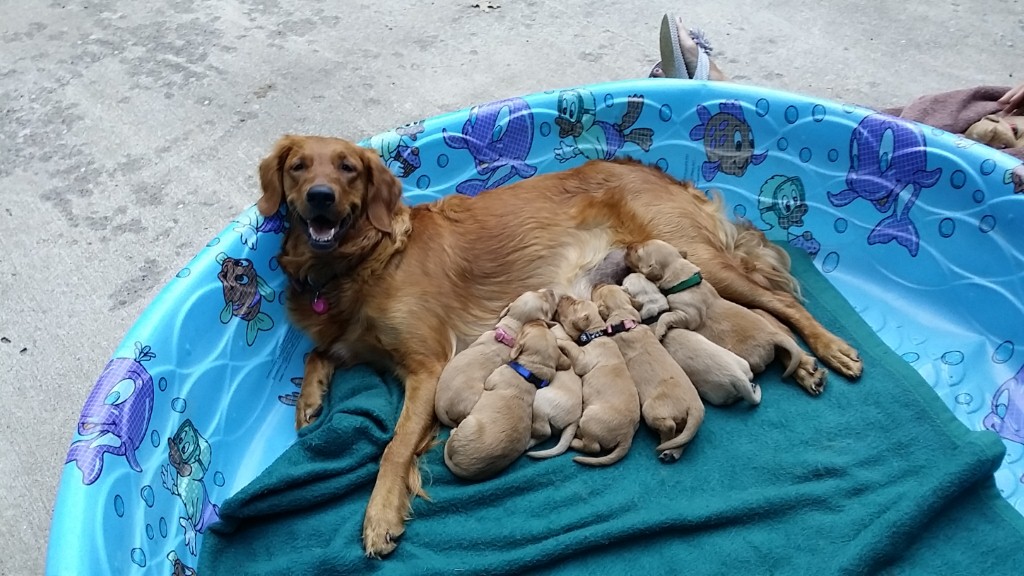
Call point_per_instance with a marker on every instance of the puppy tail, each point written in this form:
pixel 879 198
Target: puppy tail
pixel 612 457
pixel 563 443
pixel 789 346
pixel 693 422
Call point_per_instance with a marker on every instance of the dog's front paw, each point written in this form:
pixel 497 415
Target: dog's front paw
pixel 382 527
pixel 843 358
pixel 307 408
pixel 669 456
pixel 810 375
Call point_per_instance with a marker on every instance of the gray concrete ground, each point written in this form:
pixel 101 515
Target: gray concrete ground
pixel 130 134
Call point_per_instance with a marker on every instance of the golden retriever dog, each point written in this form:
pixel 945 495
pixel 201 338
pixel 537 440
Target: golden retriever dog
pixel 611 405
pixel 498 428
pixel 373 280
pixel 669 403
pixel 696 305
pixel 720 376
pixel 557 407
pixel 462 379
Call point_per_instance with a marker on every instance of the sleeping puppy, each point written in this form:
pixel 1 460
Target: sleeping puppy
pixel 497 430
pixel 720 376
pixel 557 407
pixel 696 305
pixel 462 380
pixel 669 403
pixel 611 405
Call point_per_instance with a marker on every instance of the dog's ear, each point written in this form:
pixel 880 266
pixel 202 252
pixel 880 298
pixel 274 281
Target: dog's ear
pixel 504 312
pixel 653 271
pixel 383 192
pixel 602 309
pixel 635 303
pixel 563 362
pixel 272 176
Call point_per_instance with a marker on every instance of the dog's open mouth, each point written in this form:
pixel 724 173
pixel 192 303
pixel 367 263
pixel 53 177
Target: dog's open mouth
pixel 325 233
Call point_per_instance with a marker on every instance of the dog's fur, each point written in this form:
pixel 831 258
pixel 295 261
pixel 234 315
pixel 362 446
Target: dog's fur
pixel 731 326
pixel 720 376
pixel 462 379
pixel 498 428
pixel 611 404
pixel 557 407
pixel 669 403
pixel 407 288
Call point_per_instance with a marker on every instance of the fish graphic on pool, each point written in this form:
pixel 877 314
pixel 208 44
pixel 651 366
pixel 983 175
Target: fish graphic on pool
pixel 116 415
pixel 728 140
pixel 244 292
pixel 888 162
pixel 499 136
pixel 1007 415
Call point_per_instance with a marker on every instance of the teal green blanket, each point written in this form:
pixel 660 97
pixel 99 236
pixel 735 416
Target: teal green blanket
pixel 872 477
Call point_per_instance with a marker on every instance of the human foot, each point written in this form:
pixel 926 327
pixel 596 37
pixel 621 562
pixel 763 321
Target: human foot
pixel 692 47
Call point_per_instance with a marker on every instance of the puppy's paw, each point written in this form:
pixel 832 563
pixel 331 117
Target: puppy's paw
pixel 810 375
pixel 382 527
pixel 669 456
pixel 842 358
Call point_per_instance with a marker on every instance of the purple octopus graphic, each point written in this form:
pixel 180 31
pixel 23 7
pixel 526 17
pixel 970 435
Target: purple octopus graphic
pixel 118 408
pixel 728 140
pixel 1007 415
pixel 888 161
pixel 190 455
pixel 499 136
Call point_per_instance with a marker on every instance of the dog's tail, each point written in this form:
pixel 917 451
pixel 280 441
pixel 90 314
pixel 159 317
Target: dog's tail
pixel 563 443
pixel 759 259
pixel 789 346
pixel 693 421
pixel 612 457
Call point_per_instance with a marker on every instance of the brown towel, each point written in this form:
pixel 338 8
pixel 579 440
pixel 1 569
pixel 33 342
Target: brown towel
pixel 955 111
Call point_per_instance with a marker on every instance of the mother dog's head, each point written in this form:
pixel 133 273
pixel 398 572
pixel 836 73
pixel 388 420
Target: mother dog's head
pixel 329 185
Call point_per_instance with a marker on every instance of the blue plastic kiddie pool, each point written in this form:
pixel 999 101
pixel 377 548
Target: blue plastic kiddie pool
pixel 919 229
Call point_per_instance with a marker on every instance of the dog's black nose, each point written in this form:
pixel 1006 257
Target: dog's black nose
pixel 320 197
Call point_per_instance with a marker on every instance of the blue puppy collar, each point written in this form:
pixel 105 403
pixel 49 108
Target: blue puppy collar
pixel 527 375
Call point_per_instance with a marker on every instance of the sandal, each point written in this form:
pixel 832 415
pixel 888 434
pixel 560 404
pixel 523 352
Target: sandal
pixel 672 64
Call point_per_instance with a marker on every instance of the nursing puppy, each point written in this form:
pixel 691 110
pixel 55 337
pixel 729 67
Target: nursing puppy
pixel 498 428
pixel 462 380
pixel 611 405
pixel 669 403
pixel 696 305
pixel 557 407
pixel 720 376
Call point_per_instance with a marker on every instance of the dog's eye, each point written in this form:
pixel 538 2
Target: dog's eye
pixel 298 166
pixel 346 167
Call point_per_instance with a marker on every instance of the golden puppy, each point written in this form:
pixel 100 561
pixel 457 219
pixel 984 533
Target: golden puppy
pixel 557 407
pixel 669 403
pixel 498 428
pixel 611 405
pixel 696 305
pixel 720 376
pixel 372 280
pixel 462 379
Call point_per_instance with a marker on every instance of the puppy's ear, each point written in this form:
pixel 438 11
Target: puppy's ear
pixel 602 309
pixel 517 349
pixel 653 272
pixel 272 176
pixel 504 312
pixel 635 303
pixel 563 362
pixel 383 192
